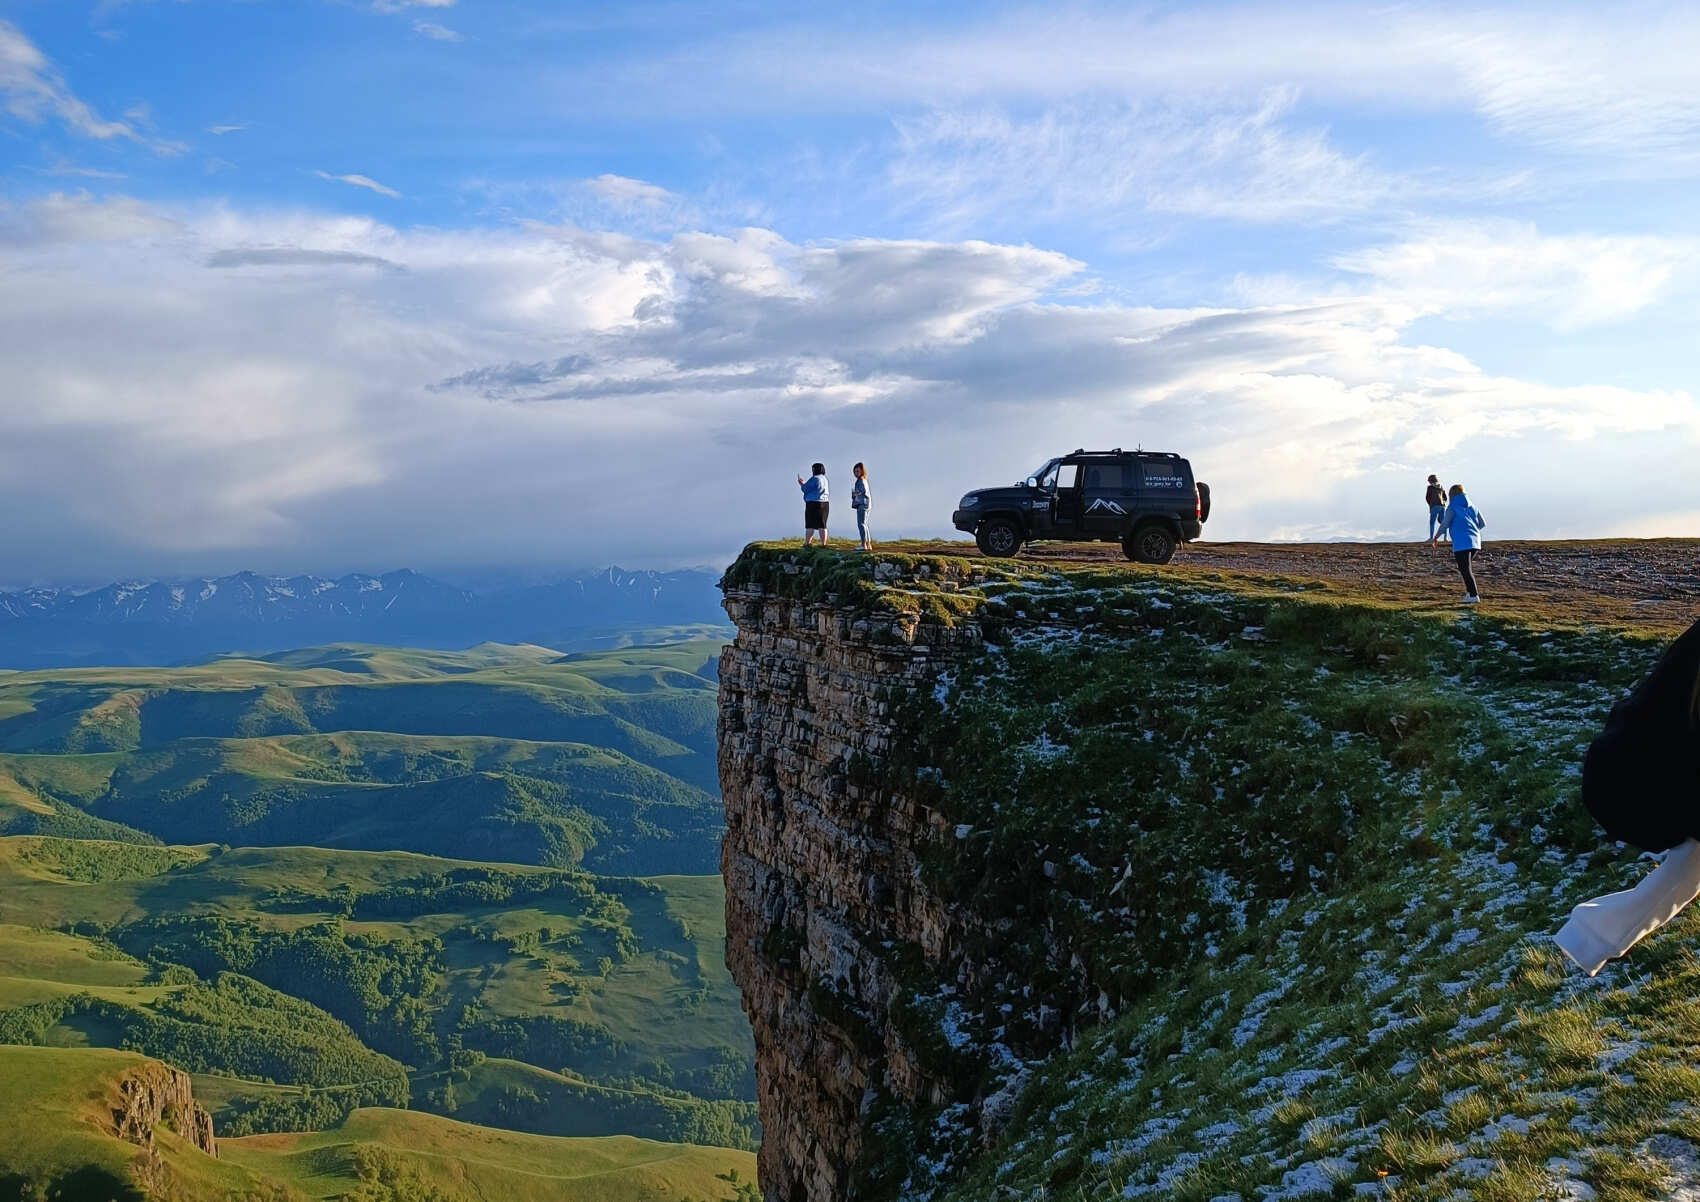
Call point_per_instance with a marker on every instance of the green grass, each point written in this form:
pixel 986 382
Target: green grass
pixel 1283 863
pixel 465 1161
pixel 56 1111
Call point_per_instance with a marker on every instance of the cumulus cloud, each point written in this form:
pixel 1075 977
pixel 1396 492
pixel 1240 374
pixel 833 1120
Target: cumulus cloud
pixel 360 181
pixel 526 392
pixel 81 218
pixel 32 89
pixel 1473 268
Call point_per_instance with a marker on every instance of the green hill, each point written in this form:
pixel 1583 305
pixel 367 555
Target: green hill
pixel 313 980
pixel 77 1125
pixel 460 1161
pixel 603 759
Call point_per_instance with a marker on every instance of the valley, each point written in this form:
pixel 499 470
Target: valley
pixel 354 891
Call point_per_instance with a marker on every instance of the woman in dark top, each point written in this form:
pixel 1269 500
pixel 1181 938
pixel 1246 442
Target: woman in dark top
pixel 1641 782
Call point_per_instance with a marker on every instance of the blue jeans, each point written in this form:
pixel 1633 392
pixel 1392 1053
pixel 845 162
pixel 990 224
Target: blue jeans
pixel 1435 524
pixel 862 522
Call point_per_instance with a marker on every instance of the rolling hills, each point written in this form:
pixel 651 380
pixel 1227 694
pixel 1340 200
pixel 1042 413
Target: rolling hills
pixel 601 759
pixel 427 924
pixel 99 1124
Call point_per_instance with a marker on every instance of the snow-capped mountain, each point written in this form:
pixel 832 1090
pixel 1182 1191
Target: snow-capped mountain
pixel 168 621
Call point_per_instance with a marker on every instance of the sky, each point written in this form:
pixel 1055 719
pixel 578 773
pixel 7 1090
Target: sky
pixel 359 284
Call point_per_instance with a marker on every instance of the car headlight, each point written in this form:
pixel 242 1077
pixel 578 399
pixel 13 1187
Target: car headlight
pixel 970 501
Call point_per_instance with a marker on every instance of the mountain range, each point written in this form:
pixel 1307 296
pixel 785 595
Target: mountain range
pixel 174 621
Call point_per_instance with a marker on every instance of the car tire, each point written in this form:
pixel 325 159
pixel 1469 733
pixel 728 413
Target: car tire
pixel 1204 502
pixel 1150 544
pixel 999 538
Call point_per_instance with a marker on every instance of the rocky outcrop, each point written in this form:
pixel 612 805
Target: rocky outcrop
pixel 152 1094
pixel 822 880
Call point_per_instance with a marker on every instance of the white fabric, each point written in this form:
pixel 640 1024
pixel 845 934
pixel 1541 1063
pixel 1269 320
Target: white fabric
pixel 1609 926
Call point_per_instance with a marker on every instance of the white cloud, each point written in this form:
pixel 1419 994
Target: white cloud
pixel 1465 269
pixel 401 6
pixel 65 167
pixel 620 190
pixel 225 129
pixel 285 387
pixel 436 32
pixel 361 181
pixel 79 217
pixel 31 89
pixel 1109 161
pixel 1598 80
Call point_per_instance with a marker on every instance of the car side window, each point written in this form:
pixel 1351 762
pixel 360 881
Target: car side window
pixel 1160 474
pixel 1068 476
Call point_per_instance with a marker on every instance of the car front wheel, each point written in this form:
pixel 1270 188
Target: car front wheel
pixel 1150 544
pixel 998 537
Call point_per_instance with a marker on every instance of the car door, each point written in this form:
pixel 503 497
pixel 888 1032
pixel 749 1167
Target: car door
pixel 1166 488
pixel 1065 501
pixel 1106 497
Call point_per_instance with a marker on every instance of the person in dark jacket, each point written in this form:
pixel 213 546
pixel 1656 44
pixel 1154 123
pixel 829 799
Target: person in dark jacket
pixel 1436 498
pixel 817 503
pixel 1641 783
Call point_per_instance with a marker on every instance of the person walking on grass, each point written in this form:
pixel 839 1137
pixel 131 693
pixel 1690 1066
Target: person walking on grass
pixel 1641 783
pixel 1436 499
pixel 1462 523
pixel 859 502
pixel 815 504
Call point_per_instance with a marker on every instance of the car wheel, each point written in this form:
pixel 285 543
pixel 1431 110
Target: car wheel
pixel 1150 544
pixel 998 537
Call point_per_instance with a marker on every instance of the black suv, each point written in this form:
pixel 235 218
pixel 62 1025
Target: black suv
pixel 1145 500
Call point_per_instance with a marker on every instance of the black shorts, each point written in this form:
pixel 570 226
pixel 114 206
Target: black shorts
pixel 814 514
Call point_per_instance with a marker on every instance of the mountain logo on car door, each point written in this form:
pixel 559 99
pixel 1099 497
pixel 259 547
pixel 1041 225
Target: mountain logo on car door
pixel 1104 505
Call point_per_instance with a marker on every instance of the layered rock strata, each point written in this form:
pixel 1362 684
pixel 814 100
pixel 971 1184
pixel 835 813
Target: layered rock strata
pixel 821 871
pixel 153 1093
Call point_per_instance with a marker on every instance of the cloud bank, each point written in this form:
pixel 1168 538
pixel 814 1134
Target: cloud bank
pixel 294 388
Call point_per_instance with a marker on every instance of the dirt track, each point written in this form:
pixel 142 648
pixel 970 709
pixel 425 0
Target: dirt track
pixel 1652 582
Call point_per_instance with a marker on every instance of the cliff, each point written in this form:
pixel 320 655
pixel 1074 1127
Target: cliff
pixel 1096 882
pixel 154 1094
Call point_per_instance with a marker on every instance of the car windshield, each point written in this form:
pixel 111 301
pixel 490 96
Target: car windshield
pixel 1045 476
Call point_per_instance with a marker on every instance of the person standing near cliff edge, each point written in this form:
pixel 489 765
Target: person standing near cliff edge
pixel 815 504
pixel 859 497
pixel 1641 782
pixel 1463 524
pixel 1436 498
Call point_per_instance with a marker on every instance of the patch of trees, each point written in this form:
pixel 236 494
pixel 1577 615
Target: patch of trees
pixel 377 986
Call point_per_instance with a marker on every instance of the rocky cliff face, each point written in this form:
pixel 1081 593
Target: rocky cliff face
pixel 153 1093
pixel 821 872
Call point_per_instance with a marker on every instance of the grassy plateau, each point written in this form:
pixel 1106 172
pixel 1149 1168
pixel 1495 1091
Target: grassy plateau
pixel 1270 872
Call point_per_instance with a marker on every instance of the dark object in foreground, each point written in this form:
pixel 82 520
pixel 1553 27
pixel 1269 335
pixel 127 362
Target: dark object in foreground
pixel 1147 501
pixel 1641 776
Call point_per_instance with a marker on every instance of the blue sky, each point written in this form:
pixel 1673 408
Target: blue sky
pixel 333 284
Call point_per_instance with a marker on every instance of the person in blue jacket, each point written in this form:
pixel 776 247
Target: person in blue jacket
pixel 1462 523
pixel 815 504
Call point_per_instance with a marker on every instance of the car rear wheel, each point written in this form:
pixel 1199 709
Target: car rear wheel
pixel 998 537
pixel 1150 544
